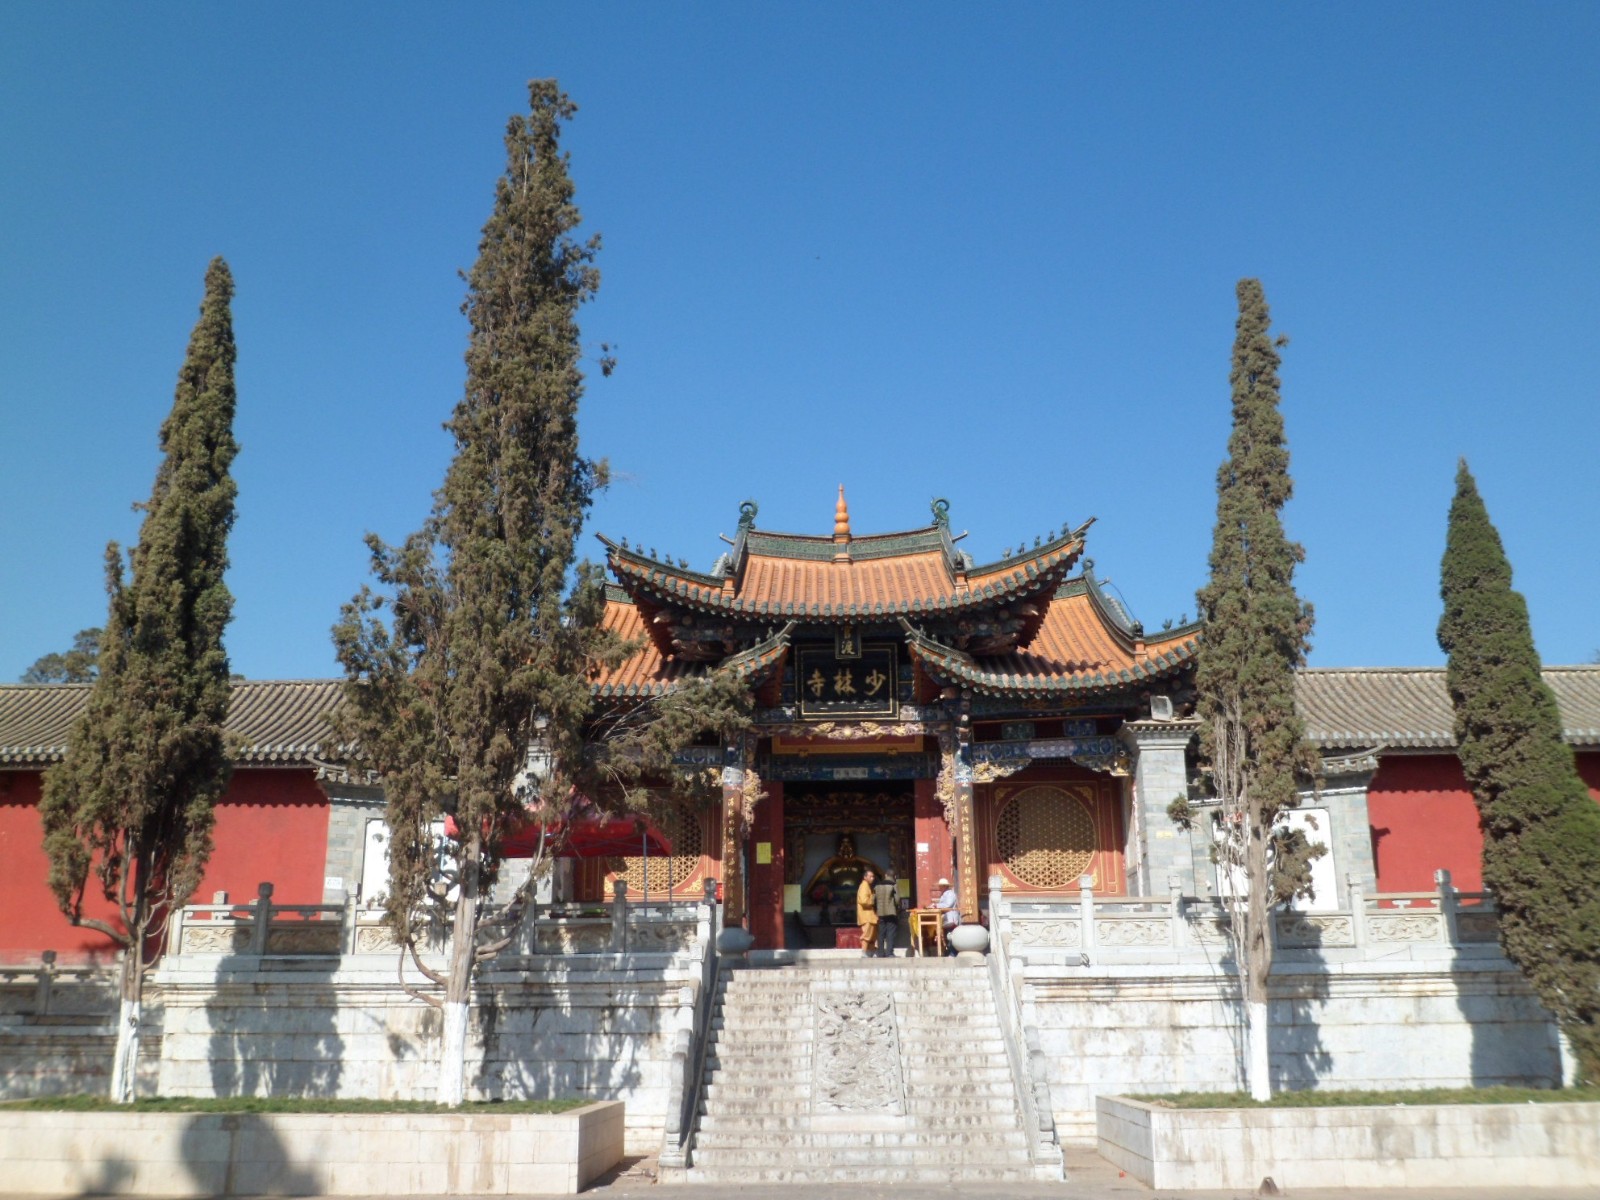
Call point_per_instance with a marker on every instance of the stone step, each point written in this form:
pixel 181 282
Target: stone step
pixel 796 1072
pixel 922 1139
pixel 946 1092
pixel 858 1156
pixel 816 1173
pixel 972 1109
pixel 936 1123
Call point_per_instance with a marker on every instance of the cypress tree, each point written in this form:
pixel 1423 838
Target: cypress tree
pixel 1257 633
pixel 132 801
pixel 486 639
pixel 1541 846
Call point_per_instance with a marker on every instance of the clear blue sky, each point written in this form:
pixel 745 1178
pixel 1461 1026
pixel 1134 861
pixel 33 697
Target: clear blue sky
pixel 986 253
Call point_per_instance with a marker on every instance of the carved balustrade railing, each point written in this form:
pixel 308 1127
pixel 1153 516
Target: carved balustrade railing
pixel 1176 927
pixel 1020 1030
pixel 28 989
pixel 264 928
pixel 686 1074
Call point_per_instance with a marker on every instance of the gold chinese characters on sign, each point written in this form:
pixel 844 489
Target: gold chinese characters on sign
pixel 830 686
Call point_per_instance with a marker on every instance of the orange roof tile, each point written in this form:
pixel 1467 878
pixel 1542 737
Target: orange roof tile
pixel 1079 648
pixel 785 575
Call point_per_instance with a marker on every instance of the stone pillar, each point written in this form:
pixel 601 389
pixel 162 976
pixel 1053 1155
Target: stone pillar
pixel 1158 849
pixel 766 879
pixel 968 879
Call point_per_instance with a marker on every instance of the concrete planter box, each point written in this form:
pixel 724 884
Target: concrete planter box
pixel 1515 1146
pixel 307 1154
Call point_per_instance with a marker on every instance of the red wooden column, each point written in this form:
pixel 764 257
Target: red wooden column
pixel 930 830
pixel 766 879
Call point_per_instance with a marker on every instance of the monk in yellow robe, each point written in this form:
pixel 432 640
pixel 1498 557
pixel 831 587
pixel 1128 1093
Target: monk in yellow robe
pixel 867 913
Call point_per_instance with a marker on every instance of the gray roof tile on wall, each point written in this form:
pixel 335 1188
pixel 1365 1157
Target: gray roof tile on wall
pixel 280 722
pixel 1408 707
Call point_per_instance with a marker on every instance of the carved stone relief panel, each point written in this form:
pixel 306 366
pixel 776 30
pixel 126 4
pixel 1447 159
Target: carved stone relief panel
pixel 1302 930
pixel 855 1065
pixel 221 939
pixel 320 937
pixel 573 939
pixel 374 939
pixel 1046 933
pixel 1407 927
pixel 660 937
pixel 1477 927
pixel 1133 932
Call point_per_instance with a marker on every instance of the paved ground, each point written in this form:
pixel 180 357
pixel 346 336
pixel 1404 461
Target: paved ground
pixel 1090 1177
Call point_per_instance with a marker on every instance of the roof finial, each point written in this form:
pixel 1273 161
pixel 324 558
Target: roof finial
pixel 841 529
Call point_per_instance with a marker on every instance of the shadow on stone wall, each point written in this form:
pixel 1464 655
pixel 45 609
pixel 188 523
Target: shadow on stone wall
pixel 1514 1038
pixel 550 1051
pixel 276 1038
pixel 241 1154
pixel 1299 992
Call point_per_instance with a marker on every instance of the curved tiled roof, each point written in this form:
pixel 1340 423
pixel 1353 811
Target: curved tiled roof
pixel 1408 707
pixel 919 581
pixel 1077 651
pixel 643 673
pixel 279 722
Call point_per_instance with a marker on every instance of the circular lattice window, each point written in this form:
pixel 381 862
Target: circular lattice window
pixel 1046 837
pixel 671 871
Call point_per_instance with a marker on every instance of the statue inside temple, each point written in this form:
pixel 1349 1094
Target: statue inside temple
pixel 833 887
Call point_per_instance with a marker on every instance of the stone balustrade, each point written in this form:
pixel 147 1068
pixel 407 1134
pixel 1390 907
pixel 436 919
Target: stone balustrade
pixel 1103 930
pixel 264 928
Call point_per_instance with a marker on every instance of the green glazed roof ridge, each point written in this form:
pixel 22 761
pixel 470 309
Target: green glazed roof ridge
pixel 1065 538
pixel 863 547
pixel 688 574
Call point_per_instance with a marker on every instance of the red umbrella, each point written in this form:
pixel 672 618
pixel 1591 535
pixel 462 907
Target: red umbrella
pixel 587 837
pixel 591 837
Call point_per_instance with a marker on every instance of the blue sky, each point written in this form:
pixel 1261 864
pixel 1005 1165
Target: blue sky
pixel 920 250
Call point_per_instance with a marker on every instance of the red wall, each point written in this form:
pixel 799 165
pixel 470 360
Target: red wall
pixel 271 825
pixel 1423 818
pixel 29 919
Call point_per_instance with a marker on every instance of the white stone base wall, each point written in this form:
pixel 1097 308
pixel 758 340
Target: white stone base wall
pixel 311 1154
pixel 1151 1030
pixel 61 1059
pixel 1511 1146
pixel 595 1028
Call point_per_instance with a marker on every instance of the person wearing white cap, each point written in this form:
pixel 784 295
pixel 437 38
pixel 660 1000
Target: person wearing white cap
pixel 950 907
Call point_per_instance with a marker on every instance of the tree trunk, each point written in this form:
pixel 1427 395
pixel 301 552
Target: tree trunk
pixel 458 984
pixel 1257 968
pixel 125 1057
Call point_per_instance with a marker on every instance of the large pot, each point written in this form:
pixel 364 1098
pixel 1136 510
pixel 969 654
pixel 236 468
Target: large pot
pixel 968 941
pixel 735 940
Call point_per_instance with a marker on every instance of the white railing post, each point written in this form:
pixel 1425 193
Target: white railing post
pixel 348 921
pixel 263 919
pixel 47 980
pixel 1175 898
pixel 1086 913
pixel 1358 910
pixel 1447 906
pixel 619 915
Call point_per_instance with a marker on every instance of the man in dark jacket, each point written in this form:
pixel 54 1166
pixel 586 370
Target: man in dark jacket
pixel 886 900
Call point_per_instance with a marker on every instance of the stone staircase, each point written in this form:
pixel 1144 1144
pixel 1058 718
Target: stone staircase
pixel 852 1070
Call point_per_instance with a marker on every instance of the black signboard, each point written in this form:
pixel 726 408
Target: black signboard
pixel 829 686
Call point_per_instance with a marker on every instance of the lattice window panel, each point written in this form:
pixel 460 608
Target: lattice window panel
pixel 682 828
pixel 1046 837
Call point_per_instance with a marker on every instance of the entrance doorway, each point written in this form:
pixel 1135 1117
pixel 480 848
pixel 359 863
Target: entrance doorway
pixel 832 834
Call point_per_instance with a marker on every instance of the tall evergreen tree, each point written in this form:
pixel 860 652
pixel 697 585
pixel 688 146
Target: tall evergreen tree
pixel 487 647
pixel 1256 634
pixel 1541 847
pixel 132 801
